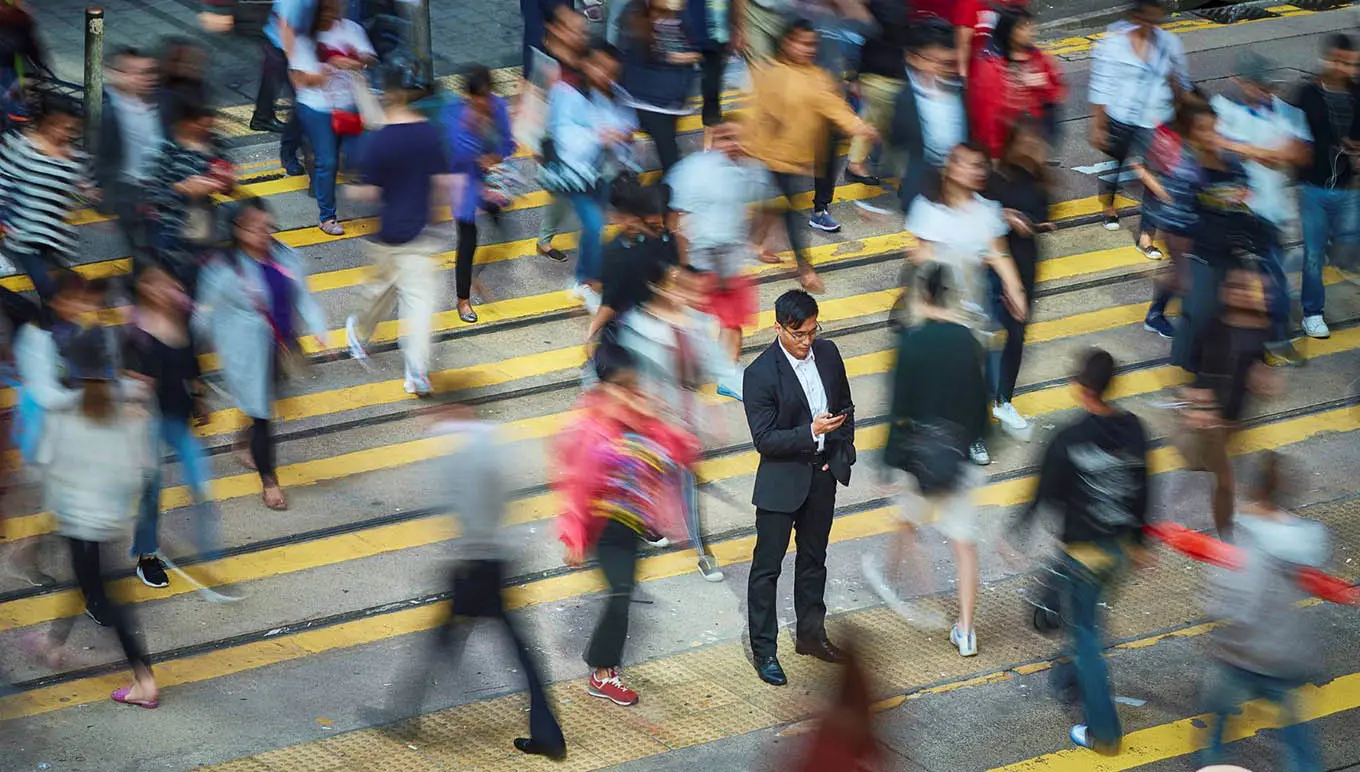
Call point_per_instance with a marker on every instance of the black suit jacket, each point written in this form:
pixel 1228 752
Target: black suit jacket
pixel 907 137
pixel 781 426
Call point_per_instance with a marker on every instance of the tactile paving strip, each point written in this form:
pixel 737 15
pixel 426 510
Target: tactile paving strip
pixel 707 694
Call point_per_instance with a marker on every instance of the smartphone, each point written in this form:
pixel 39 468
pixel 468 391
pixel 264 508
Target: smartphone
pixel 846 411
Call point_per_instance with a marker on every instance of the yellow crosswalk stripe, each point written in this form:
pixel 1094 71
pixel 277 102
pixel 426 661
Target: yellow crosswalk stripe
pixel 215 664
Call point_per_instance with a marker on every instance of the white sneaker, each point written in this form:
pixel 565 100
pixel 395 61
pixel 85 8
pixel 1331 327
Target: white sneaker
pixel 589 297
pixel 978 452
pixel 356 346
pixel 966 644
pixel 417 384
pixel 661 542
pixel 1316 327
pixel 1015 424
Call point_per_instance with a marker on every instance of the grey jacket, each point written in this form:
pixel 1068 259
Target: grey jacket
pixel 93 472
pixel 1263 630
pixel 473 472
pixel 227 313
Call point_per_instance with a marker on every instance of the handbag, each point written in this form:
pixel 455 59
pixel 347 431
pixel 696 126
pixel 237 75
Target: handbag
pixel 935 452
pixel 346 123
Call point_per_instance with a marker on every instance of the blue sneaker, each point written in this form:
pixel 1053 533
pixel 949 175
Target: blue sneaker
pixel 1159 324
pixel 725 390
pixel 823 221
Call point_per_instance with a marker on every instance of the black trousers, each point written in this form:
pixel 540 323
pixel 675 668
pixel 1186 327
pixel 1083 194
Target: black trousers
pixel 273 82
pixel 1122 141
pixel 89 573
pixel 662 127
pixel 617 552
pixel 824 186
pixel 467 250
pixel 785 184
pixel 812 524
pixel 711 70
pixel 262 448
pixel 477 595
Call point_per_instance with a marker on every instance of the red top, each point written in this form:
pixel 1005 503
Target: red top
pixel 999 92
pixel 981 15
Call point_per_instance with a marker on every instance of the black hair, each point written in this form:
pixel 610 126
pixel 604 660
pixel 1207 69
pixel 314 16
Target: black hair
pixel 51 103
pixel 1338 41
pixel 67 282
pixel 608 49
pixel 1097 370
pixel 1005 29
pixel 794 307
pixel 629 196
pixel 192 111
pixel 1139 6
pixel 478 81
pixel 934 290
pixel 611 358
pixel 932 32
pixel 797 25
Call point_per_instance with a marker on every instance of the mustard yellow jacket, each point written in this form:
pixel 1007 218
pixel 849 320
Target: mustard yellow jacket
pixel 792 109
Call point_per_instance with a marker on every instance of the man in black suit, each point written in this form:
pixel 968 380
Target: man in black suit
pixel 798 406
pixel 929 115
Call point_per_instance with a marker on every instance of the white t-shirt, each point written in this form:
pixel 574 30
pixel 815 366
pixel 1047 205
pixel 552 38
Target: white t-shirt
pixel 1271 129
pixel 961 239
pixel 337 93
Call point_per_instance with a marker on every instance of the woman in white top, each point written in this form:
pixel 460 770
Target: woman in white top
pixel 966 233
pixel 325 66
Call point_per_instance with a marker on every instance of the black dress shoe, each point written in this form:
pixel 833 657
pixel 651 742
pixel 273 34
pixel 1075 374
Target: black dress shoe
pixel 272 125
pixel 824 650
pixel 863 179
pixel 770 672
pixel 536 748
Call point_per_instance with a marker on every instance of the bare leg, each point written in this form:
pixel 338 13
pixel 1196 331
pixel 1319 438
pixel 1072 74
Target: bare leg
pixel 966 562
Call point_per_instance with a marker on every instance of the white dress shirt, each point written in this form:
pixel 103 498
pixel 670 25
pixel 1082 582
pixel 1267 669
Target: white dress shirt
pixel 811 381
pixel 1133 90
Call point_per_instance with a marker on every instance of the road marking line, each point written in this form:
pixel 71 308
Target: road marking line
pixel 251 656
pixel 1186 736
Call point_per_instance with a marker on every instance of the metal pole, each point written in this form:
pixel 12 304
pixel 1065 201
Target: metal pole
pixel 94 76
pixel 420 41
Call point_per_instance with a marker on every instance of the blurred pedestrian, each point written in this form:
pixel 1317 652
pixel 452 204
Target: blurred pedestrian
pixel 1095 475
pixel 479 139
pixel 133 126
pixel 1012 78
pixel 1023 187
pixel 975 22
pixel 1229 365
pixel 710 22
pixel 475 484
pixel 184 76
pixel 288 20
pixel 616 468
pixel 1329 196
pixel 94 456
pixel 659 65
pixel 1274 139
pixel 939 409
pixel 758 27
pixel 1171 174
pixel 565 48
pixel 712 193
pixel 1138 74
pixel 250 300
pixel 801 416
pixel 675 355
pixel 189 171
pixel 323 66
pixel 633 258
pixel 44 178
pixel 844 737
pixel 929 117
pixel 538 16
pixel 881 79
pixel 21 58
pixel 407 168
pixel 1265 647
pixel 794 104
pixel 161 351
pixel 964 232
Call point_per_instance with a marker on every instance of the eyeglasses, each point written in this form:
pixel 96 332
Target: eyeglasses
pixel 801 336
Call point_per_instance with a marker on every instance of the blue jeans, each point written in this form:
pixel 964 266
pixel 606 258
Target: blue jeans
pixel 1327 216
pixel 1234 686
pixel 1199 305
pixel 326 147
pixel 1277 289
pixel 1081 604
pixel 180 437
pixel 589 252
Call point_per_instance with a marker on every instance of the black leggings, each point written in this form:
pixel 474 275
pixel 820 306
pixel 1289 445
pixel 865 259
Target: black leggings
pixel 90 578
pixel 262 450
pixel 710 84
pixel 1122 142
pixel 662 129
pixel 467 250
pixel 791 222
pixel 617 551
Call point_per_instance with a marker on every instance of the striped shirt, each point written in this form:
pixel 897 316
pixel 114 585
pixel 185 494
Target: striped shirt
pixel 175 164
pixel 38 193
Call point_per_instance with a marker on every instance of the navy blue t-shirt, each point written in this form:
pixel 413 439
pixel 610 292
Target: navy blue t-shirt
pixel 401 159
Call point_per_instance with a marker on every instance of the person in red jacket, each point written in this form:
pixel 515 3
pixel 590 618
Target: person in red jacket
pixel 1012 78
pixel 974 23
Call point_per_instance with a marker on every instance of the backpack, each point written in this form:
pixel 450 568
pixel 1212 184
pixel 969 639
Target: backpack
pixel 935 452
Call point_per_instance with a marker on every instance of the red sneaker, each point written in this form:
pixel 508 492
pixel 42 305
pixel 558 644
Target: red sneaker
pixel 612 689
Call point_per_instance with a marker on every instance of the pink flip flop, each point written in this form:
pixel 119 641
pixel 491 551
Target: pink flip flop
pixel 121 695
